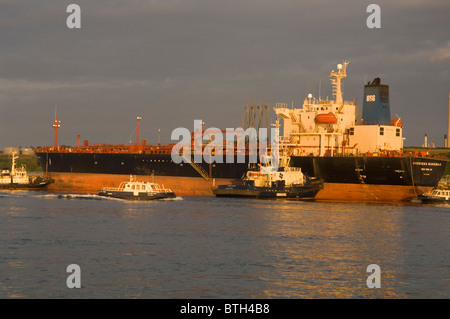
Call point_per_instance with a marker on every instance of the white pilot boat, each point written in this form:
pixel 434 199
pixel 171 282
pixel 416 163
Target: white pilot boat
pixel 17 178
pixel 436 196
pixel 135 190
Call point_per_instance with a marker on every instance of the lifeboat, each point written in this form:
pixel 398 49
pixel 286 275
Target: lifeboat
pixel 397 122
pixel 328 118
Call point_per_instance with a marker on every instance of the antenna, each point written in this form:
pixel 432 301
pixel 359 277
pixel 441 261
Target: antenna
pixel 320 87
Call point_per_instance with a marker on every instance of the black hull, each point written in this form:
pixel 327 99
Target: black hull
pixel 396 171
pixel 244 191
pixel 139 197
pixel 21 187
pixel 430 199
pixel 37 184
pixel 134 164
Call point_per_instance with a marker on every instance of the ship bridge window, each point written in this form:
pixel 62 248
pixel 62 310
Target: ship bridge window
pixel 352 131
pixel 397 132
pixel 381 130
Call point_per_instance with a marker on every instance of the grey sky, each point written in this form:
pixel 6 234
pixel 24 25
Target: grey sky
pixel 173 61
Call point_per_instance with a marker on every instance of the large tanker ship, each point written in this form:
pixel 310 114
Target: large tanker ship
pixel 360 158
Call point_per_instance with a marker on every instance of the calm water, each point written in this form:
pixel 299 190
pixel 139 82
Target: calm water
pixel 195 247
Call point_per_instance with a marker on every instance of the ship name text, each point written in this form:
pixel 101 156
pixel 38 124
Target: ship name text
pixel 427 163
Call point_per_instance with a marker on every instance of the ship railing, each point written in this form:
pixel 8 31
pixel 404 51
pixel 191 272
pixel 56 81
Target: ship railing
pixel 162 189
pixel 106 148
pixel 153 189
pixel 112 189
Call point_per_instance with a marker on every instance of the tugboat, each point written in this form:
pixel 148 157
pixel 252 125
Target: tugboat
pixel 134 190
pixel 286 182
pixel 436 196
pixel 280 181
pixel 18 178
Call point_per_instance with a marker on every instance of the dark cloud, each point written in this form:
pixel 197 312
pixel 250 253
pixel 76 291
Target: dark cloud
pixel 173 61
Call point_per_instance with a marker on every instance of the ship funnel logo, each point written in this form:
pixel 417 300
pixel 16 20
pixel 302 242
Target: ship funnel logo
pixel 234 145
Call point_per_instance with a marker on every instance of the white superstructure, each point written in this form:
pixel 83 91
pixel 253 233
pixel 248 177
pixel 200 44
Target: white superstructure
pixel 327 128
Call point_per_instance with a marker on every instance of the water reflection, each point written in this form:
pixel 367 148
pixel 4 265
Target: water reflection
pixel 222 248
pixel 323 252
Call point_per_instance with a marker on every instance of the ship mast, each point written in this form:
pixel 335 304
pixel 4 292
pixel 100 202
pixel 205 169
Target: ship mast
pixel 136 138
pixel 336 81
pixel 448 135
pixel 13 164
pixel 56 125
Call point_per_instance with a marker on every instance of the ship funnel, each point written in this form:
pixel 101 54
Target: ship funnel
pixel 376 109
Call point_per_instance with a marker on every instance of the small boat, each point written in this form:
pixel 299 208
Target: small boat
pixel 436 196
pixel 17 178
pixel 134 190
pixel 286 182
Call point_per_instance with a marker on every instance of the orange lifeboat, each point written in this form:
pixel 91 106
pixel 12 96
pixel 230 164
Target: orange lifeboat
pixel 328 118
pixel 397 122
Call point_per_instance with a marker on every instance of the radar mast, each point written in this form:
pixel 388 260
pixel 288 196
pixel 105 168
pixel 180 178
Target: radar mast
pixel 336 81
